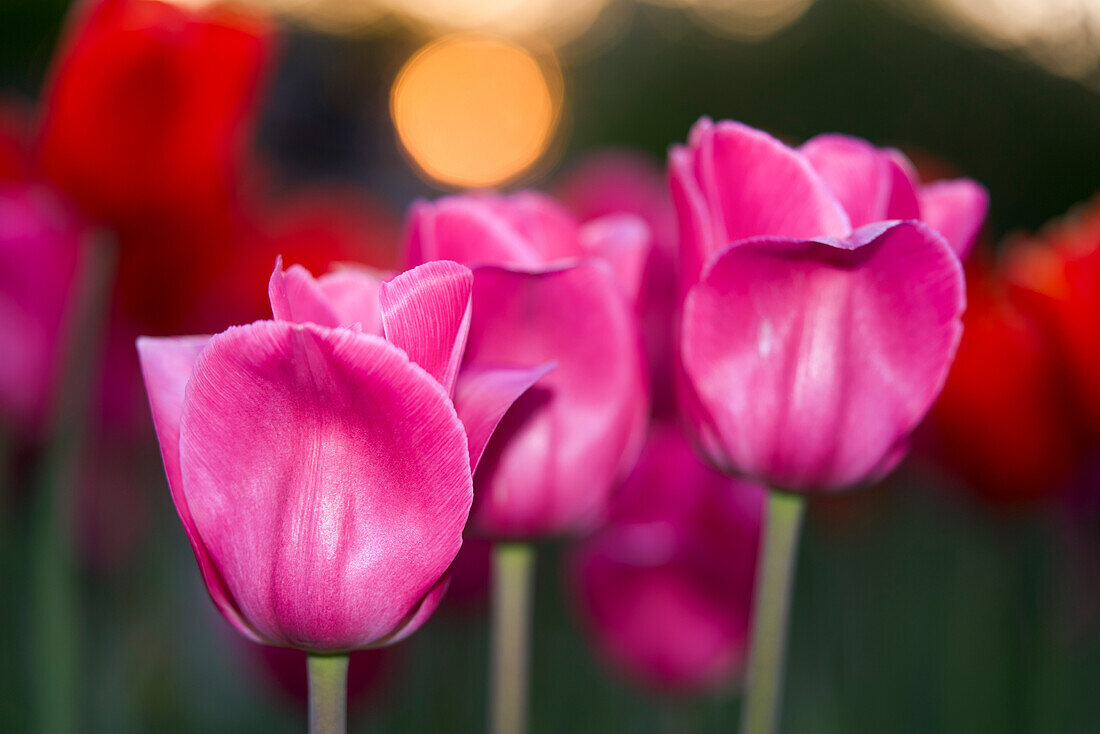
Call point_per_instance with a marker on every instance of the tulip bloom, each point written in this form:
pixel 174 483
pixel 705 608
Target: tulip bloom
pixel 548 290
pixel 39 257
pixel 613 183
pixel 665 587
pixel 817 328
pixel 147 105
pixel 322 474
pixel 811 349
pixel 1057 273
pixel 1004 421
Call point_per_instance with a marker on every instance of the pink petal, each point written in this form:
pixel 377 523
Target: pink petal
pixel 423 611
pixel 815 361
pixel 541 221
pixel 426 312
pixel 869 183
pixel 166 366
pixel 466 230
pixel 353 295
pixel 484 394
pixel 296 297
pixel 622 241
pixel 556 454
pixel 755 185
pixel 692 218
pixel 956 209
pixel 328 477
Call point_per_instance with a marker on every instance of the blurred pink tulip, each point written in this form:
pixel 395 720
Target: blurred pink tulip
pixel 616 182
pixel 39 256
pixel 548 290
pixel 322 474
pixel 665 588
pixel 810 351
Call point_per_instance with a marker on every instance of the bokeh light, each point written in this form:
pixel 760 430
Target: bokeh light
pixel 742 19
pixel 476 111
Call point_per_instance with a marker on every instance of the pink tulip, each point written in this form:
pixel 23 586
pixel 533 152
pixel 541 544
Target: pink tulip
pixel 665 588
pixel 39 256
pixel 321 473
pixel 810 350
pixel 616 182
pixel 548 290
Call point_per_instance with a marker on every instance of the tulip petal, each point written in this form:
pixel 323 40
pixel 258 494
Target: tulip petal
pixel 541 221
pixel 868 182
pixel 552 461
pixel 466 230
pixel 623 242
pixel 328 476
pixel 423 612
pixel 814 361
pixel 484 394
pixel 166 366
pixel 956 209
pixel 757 186
pixel 353 295
pixel 426 312
pixel 295 297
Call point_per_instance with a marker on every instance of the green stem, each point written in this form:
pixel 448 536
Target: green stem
pixel 53 596
pixel 513 564
pixel 774 584
pixel 328 694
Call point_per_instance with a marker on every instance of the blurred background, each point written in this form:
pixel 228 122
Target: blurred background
pixel 155 157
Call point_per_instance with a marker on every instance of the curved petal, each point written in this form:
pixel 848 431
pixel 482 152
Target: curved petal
pixel 295 297
pixel 813 360
pixel 328 477
pixel 484 394
pixel 423 611
pixel 554 457
pixel 166 366
pixel 693 229
pixel 623 242
pixel 757 186
pixel 426 312
pixel 467 230
pixel 956 209
pixel 868 182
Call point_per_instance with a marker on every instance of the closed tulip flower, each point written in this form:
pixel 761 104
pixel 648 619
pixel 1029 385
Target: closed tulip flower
pixel 665 587
pixel 812 349
pixel 321 473
pixel 820 318
pixel 548 290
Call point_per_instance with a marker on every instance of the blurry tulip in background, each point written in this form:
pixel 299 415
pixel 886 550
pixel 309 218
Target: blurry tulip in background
pixel 665 585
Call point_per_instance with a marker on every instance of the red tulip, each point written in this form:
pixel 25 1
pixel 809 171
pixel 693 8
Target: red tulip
pixel 1003 421
pixel 147 106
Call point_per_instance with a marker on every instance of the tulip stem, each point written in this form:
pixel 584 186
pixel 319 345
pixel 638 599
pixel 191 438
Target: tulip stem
pixel 513 566
pixel 328 694
pixel 774 585
pixel 53 589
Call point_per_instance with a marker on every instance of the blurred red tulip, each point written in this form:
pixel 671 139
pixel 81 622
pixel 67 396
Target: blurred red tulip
pixel 1002 421
pixel 39 256
pixel 665 586
pixel 15 134
pixel 147 107
pixel 1058 273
